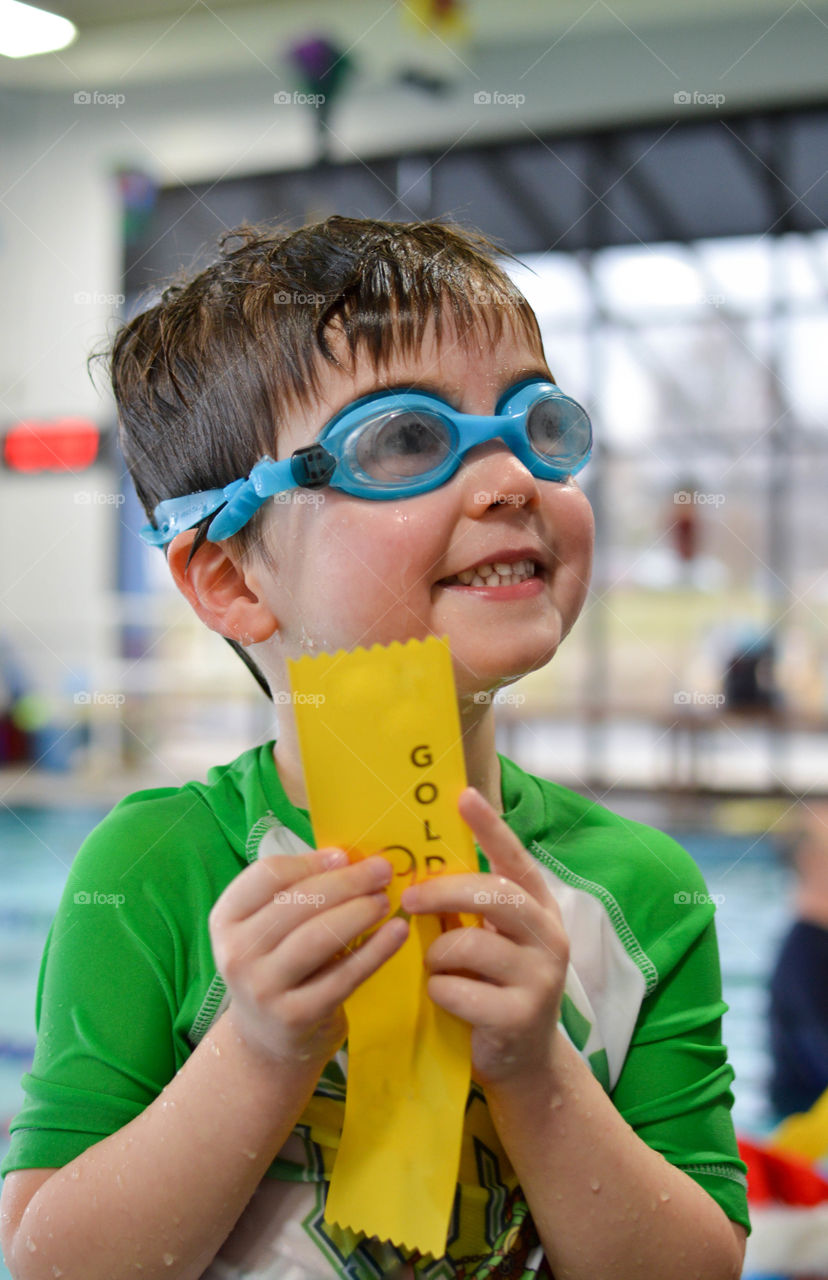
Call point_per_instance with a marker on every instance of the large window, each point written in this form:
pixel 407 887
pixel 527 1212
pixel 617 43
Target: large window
pixel 704 368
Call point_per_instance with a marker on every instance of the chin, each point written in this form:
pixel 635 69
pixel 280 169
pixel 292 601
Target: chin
pixel 485 677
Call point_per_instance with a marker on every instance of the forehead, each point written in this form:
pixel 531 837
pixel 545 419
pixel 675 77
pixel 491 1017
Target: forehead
pixel 458 363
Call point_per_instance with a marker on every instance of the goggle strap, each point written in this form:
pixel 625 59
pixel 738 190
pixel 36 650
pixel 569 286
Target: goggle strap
pixel 175 514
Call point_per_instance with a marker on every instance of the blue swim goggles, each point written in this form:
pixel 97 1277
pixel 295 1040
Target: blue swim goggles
pixel 394 444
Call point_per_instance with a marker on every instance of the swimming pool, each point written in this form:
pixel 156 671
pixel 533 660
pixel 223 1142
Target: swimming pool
pixel 37 847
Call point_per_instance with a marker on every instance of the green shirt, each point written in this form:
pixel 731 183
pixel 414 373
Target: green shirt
pixel 128 985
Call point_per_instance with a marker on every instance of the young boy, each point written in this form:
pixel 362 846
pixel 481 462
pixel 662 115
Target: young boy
pixel 184 1106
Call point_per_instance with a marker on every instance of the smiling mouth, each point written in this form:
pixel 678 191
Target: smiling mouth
pixel 493 575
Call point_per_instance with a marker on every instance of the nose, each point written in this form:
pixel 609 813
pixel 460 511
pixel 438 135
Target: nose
pixel 492 476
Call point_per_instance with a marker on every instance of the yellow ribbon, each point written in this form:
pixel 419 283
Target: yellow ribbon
pixel 379 733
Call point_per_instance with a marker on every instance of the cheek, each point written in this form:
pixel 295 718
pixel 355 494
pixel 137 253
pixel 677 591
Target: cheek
pixel 363 559
pixel 373 541
pixel 573 520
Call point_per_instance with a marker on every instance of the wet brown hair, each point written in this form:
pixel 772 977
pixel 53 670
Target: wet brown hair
pixel 204 378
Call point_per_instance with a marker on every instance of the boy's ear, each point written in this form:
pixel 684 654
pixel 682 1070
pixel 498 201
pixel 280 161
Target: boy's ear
pixel 219 590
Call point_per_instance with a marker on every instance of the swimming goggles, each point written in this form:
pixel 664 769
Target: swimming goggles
pixel 394 444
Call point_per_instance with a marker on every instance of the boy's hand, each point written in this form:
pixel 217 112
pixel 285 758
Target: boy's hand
pixel 507 978
pixel 282 934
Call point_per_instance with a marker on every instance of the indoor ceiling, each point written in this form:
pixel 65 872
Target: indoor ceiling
pixel 543 15
pixel 132 41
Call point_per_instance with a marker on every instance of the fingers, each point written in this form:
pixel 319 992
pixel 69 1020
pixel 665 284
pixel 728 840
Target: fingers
pixel 291 933
pixel 480 1004
pixel 286 937
pixel 508 907
pixel 328 936
pixel 295 890
pixel 501 846
pixel 256 884
pixel 330 988
pixel 476 954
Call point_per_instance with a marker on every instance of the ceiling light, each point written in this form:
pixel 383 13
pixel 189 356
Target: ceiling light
pixel 25 30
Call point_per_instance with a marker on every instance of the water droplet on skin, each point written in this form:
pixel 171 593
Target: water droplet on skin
pixel 216 1050
pixel 74 1174
pixel 664 1196
pixel 30 1245
pixel 56 1271
pixel 167 1259
pixel 555 1102
pixel 595 1184
pixel 251 1155
pixel 307 642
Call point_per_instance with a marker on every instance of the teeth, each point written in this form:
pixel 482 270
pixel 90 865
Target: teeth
pixel 498 574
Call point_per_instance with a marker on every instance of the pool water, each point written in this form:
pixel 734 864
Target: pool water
pixel 37 847
pixel 752 890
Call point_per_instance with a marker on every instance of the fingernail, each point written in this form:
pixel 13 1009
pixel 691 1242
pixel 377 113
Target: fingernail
pixel 379 870
pixel 334 858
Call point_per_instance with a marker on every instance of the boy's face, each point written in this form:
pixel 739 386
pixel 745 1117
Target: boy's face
pixel 352 571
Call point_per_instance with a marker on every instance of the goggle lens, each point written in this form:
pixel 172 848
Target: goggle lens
pixel 402 444
pixel 558 430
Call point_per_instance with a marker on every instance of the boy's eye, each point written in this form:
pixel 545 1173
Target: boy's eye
pixel 402 444
pixel 557 429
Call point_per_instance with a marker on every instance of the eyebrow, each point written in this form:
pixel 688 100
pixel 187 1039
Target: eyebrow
pixel 441 392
